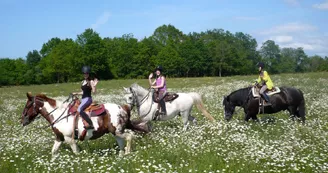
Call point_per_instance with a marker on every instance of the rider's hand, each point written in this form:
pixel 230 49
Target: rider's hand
pixel 95 82
pixel 150 76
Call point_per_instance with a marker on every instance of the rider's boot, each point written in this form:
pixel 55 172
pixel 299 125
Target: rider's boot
pixel 266 98
pixel 163 107
pixel 87 121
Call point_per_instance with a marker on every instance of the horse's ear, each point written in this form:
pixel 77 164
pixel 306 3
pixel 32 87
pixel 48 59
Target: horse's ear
pixel 126 89
pixel 29 95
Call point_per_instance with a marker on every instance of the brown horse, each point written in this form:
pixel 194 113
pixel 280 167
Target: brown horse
pixel 107 118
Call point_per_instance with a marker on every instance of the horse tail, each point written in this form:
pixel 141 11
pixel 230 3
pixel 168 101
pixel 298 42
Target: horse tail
pixel 197 98
pixel 135 125
pixel 301 108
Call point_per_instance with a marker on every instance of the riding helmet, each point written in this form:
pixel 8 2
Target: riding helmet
pixel 86 69
pixel 260 64
pixel 159 68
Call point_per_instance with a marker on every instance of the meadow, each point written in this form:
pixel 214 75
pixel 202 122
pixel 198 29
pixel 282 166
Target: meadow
pixel 278 145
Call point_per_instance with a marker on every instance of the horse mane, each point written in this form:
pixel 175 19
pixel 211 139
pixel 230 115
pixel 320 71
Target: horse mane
pixel 127 108
pixel 239 94
pixel 135 85
pixel 51 101
pixel 239 91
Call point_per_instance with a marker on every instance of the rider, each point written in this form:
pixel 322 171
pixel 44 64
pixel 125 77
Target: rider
pixel 87 86
pixel 160 85
pixel 264 81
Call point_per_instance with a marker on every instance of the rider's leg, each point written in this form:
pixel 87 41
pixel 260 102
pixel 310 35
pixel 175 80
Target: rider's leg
pixel 84 104
pixel 263 94
pixel 161 95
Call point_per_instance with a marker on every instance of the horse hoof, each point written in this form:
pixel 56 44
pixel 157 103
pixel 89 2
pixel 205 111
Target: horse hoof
pixel 121 153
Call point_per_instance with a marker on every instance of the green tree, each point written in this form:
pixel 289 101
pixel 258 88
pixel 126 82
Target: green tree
pixel 47 47
pixel 270 53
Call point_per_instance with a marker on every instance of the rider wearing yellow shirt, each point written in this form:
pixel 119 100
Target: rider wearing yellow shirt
pixel 264 81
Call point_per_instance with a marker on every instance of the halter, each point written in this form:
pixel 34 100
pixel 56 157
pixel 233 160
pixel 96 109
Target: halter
pixel 143 100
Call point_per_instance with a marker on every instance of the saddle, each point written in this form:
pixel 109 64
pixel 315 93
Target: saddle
pixel 94 109
pixel 168 97
pixel 256 91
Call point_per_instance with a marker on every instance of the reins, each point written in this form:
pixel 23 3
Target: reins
pixel 59 118
pixel 142 101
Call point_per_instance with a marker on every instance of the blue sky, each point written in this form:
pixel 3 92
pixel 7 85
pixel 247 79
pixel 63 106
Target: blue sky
pixel 26 25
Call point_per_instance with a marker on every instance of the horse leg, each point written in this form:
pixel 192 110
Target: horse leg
pixel 192 119
pixel 254 118
pixel 292 112
pixel 120 140
pixel 73 144
pixel 185 118
pixel 247 117
pixel 55 149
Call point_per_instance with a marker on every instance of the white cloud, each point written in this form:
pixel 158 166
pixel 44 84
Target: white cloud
pixel 101 20
pixel 305 46
pixel 321 6
pixel 282 38
pixel 289 28
pixel 292 2
pixel 297 35
pixel 246 18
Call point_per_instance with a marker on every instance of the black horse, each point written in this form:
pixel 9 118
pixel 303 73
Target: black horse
pixel 288 98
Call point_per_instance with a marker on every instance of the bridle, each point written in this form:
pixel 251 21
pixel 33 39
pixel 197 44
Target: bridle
pixel 33 102
pixel 142 101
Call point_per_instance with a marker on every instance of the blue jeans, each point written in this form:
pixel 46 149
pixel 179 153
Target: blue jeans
pixel 84 104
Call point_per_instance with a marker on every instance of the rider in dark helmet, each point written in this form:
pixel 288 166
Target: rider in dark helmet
pixel 87 86
pixel 264 81
pixel 160 85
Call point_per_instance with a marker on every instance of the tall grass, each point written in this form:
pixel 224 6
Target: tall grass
pixel 278 146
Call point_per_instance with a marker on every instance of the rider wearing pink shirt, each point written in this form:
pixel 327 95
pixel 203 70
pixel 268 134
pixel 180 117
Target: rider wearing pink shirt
pixel 160 85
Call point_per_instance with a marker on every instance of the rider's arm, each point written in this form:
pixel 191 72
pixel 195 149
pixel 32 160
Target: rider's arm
pixel 162 83
pixel 93 86
pixel 265 76
pixel 151 83
pixel 258 80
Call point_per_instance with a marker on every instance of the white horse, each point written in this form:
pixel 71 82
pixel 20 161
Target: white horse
pixel 146 107
pixel 112 120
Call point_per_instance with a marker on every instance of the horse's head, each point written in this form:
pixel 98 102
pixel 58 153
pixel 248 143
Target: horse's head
pixel 136 93
pixel 130 96
pixel 229 108
pixel 34 106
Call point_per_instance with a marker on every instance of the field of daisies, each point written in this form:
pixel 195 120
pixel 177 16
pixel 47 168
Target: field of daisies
pixel 277 145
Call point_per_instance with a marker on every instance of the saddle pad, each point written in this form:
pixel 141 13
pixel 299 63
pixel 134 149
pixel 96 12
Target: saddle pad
pixel 256 91
pixel 96 110
pixel 169 96
pixel 92 110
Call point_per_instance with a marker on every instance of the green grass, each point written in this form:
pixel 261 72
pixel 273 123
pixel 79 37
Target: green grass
pixel 280 145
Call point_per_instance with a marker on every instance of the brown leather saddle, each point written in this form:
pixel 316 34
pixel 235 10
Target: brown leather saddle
pixel 94 109
pixel 169 96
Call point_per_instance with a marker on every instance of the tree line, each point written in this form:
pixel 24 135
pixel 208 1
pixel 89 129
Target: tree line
pixel 211 53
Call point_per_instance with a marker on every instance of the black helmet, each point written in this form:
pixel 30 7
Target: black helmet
pixel 159 68
pixel 260 64
pixel 86 69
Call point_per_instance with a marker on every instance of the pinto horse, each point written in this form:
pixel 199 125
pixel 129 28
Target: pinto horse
pixel 182 105
pixel 288 98
pixel 113 120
